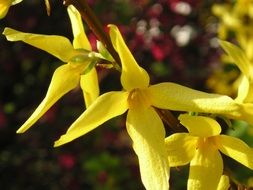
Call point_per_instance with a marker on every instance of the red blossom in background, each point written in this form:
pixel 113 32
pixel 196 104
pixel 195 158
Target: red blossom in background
pixel 67 161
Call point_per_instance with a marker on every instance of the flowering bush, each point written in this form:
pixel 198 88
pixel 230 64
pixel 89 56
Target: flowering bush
pixel 150 103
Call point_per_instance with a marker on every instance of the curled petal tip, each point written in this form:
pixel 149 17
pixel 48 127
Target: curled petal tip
pixel 20 131
pixel 62 140
pixel 57 143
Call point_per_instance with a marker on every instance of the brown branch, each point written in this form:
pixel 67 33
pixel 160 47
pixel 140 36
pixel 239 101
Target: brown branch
pixel 171 120
pixel 95 25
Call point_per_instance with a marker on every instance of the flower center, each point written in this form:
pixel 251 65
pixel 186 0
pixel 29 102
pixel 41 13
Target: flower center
pixel 205 142
pixel 138 98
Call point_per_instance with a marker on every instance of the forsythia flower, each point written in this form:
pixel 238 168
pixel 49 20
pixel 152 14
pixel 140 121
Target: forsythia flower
pixel 222 82
pixel 143 123
pixel 200 147
pixel 5 5
pixel 67 76
pixel 237 18
pixel 245 90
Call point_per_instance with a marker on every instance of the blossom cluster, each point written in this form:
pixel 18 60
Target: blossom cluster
pixel 200 140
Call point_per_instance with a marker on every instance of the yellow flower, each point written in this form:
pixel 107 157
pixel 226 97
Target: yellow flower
pixel 200 147
pixel 5 5
pixel 143 123
pixel 67 76
pixel 223 82
pixel 236 18
pixel 245 90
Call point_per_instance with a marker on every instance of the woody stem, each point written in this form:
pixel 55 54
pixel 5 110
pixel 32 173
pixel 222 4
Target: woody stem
pixel 171 120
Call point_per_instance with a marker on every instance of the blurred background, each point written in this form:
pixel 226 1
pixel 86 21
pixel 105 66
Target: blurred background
pixel 174 40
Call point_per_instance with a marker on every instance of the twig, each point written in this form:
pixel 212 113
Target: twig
pixel 171 120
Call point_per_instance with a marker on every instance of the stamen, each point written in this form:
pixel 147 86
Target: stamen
pixel 138 97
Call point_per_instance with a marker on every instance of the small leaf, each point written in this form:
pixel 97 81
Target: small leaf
pixel 104 52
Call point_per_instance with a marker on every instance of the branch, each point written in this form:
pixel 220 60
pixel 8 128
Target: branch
pixel 171 120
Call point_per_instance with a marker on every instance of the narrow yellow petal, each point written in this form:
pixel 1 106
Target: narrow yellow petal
pixel 80 38
pixel 179 98
pixel 133 76
pixel 236 149
pixel 57 46
pixel 4 7
pixel 224 183
pixel 147 133
pixel 14 2
pixel 90 87
pixel 105 107
pixel 219 10
pixel 238 56
pixel 180 148
pixel 243 90
pixel 89 81
pixel 231 21
pixel 64 79
pixel 205 169
pixel 200 126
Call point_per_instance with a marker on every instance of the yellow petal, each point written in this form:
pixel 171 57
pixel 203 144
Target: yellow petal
pixel 179 98
pixel 200 126
pixel 219 10
pixel 231 21
pixel 65 78
pixel 105 107
pixel 180 148
pixel 236 149
pixel 249 48
pixel 246 113
pixel 58 46
pixel 205 169
pixel 245 91
pixel 89 81
pixel 238 57
pixel 222 31
pixel 133 76
pixel 90 87
pixel 147 133
pixel 80 38
pixel 4 7
pixel 224 183
pixel 14 2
